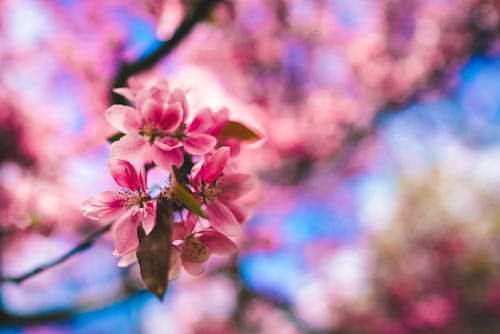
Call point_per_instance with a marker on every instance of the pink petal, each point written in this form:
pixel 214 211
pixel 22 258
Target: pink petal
pixel 130 147
pixel 235 185
pixel 193 268
pixel 141 97
pixel 222 219
pixel 162 84
pixel 240 211
pixel 126 93
pixel 168 144
pixel 220 119
pixel 199 143
pixel 124 173
pixel 152 111
pixel 179 231
pixel 128 259
pixel 123 118
pixel 217 242
pixel 159 90
pixel 125 233
pixel 202 122
pixel 104 207
pixel 149 216
pixel 233 143
pixel 165 159
pixel 143 178
pixel 179 96
pixel 191 221
pixel 175 264
pixel 196 175
pixel 135 84
pixel 170 118
pixel 214 165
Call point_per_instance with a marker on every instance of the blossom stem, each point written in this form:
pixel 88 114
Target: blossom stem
pixel 84 245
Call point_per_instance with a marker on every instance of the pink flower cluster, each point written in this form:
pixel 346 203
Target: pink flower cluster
pixel 157 131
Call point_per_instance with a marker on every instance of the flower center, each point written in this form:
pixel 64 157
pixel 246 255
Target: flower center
pixel 168 193
pixel 130 198
pixel 211 191
pixel 194 250
pixel 149 130
pixel 180 132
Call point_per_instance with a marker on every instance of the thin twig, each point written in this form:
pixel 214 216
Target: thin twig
pixel 129 294
pixel 85 244
pixel 150 59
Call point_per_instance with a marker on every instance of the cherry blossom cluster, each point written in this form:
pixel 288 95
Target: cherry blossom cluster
pixel 200 191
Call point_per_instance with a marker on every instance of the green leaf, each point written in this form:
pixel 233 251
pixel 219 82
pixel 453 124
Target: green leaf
pixel 115 137
pixel 154 250
pixel 184 196
pixel 239 131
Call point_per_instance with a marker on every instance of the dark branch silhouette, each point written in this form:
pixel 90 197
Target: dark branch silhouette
pixel 85 244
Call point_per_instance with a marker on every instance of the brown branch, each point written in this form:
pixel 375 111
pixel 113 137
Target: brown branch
pixel 85 244
pixel 127 294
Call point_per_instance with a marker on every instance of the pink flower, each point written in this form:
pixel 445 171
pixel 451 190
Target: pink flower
pixel 158 90
pixel 156 129
pixel 215 122
pixel 130 207
pixel 218 191
pixel 193 248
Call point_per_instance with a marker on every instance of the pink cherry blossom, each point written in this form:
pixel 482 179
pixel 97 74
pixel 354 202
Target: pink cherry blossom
pixel 159 89
pixel 213 123
pixel 130 208
pixel 156 128
pixel 218 191
pixel 193 248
